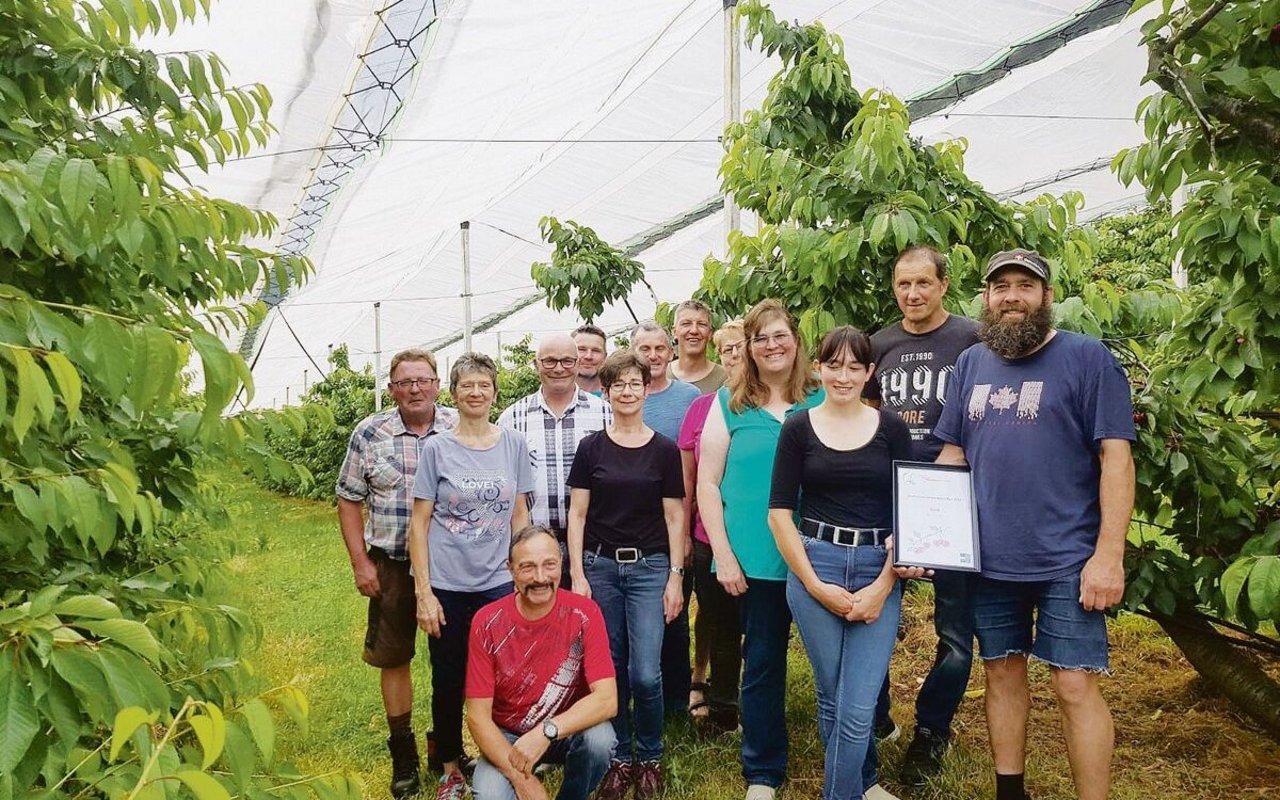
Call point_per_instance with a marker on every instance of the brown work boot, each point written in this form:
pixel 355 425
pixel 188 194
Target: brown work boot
pixel 649 782
pixel 617 782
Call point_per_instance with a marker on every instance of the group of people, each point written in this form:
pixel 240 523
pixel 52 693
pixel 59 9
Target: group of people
pixel 551 558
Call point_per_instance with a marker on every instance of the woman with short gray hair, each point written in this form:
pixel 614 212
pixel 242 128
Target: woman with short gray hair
pixel 471 491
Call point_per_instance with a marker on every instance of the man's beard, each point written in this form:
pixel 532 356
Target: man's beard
pixel 1016 339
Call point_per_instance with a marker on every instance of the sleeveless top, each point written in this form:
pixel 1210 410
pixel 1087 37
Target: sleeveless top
pixel 748 476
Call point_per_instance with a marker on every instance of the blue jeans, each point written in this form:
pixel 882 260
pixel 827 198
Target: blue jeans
pixel 630 599
pixel 766 627
pixel 944 687
pixel 948 678
pixel 849 662
pixel 585 757
pixel 1066 636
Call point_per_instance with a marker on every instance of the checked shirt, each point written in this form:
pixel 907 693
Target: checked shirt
pixel 381 462
pixel 553 441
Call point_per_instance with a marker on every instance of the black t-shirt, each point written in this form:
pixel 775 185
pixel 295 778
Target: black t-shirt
pixel 849 488
pixel 911 375
pixel 627 485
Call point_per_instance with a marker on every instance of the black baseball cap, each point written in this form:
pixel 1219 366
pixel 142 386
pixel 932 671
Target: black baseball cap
pixel 1029 260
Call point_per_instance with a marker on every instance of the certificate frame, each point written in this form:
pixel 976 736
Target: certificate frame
pixel 914 537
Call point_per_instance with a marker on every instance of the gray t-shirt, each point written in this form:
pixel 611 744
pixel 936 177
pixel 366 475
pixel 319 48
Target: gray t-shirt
pixel 474 493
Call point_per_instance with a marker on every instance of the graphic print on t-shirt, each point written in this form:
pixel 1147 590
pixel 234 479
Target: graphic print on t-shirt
pixel 1026 398
pixel 908 389
pixel 478 494
pixel 560 688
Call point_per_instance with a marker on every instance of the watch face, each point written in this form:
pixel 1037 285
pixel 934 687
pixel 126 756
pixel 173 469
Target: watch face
pixel 549 729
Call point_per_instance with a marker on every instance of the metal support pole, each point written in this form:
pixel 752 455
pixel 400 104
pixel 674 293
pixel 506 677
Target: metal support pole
pixel 1179 271
pixel 377 356
pixel 306 382
pixel 466 286
pixel 732 102
pixel 286 396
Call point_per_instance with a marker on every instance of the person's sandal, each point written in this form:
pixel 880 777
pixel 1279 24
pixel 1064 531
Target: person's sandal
pixel 699 705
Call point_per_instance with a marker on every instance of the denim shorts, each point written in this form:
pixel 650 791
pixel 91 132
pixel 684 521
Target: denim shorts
pixel 1066 636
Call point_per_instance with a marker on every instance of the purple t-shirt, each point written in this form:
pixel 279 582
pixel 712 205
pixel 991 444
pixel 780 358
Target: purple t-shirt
pixel 1030 429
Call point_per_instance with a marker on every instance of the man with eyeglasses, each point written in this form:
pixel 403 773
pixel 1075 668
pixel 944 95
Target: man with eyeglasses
pixel 553 421
pixel 378 472
pixel 693 334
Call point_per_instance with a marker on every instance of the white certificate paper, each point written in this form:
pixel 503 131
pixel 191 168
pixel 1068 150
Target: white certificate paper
pixel 935 521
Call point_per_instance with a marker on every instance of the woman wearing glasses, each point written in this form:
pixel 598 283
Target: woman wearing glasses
pixel 834 466
pixel 738 444
pixel 471 492
pixel 717 637
pixel 626 540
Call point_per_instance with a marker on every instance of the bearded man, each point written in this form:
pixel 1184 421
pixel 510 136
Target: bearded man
pixel 1044 419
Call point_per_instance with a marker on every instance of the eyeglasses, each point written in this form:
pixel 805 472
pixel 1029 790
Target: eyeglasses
pixel 622 386
pixel 778 339
pixel 730 349
pixel 552 363
pixel 411 383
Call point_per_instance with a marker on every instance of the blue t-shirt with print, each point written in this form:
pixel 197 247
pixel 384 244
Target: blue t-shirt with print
pixel 664 411
pixel 1031 430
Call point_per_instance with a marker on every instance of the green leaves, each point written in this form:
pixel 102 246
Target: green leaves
pixel 127 721
pixel 18 721
pixel 584 270
pixel 77 186
pixel 129 633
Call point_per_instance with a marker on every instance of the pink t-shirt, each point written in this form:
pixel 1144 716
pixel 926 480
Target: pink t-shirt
pixel 535 669
pixel 695 419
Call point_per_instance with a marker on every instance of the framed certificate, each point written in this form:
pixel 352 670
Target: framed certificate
pixel 935 521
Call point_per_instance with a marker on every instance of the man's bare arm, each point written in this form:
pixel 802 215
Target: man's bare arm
pixel 1102 579
pixel 351 523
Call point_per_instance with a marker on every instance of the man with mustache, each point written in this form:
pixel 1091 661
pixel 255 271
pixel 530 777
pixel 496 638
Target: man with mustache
pixel 1044 419
pixel 540 681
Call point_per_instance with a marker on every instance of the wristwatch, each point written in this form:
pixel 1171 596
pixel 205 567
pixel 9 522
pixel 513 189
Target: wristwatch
pixel 550 730
pixel 678 570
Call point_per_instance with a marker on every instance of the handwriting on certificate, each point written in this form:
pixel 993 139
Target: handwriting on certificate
pixel 934 517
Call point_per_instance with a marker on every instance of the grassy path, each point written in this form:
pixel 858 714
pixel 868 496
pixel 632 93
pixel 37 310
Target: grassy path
pixel 1173 741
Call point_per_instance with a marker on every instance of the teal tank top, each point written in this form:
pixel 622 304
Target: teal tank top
pixel 748 475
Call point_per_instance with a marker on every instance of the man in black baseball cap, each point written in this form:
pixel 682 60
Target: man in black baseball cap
pixel 1044 421
pixel 1029 260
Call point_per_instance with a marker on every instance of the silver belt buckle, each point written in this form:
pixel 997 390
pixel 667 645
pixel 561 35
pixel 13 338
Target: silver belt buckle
pixel 626 555
pixel 838 536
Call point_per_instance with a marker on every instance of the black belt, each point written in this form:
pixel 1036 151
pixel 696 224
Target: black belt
pixel 845 537
pixel 628 555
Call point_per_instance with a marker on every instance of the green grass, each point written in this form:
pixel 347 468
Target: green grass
pixel 1173 739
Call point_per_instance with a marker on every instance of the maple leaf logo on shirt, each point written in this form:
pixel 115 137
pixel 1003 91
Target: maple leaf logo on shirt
pixel 1004 399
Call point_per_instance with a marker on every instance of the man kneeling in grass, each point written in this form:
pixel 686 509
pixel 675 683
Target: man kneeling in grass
pixel 540 681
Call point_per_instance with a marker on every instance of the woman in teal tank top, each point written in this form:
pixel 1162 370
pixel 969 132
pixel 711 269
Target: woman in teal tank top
pixel 734 475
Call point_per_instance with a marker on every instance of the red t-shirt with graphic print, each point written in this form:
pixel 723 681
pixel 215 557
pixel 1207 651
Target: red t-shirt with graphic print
pixel 534 669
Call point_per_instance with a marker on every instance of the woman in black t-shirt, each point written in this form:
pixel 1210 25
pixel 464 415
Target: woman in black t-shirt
pixel 834 466
pixel 626 531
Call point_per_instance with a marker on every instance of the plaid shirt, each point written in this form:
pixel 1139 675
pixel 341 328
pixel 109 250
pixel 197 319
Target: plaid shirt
pixel 381 462
pixel 553 441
